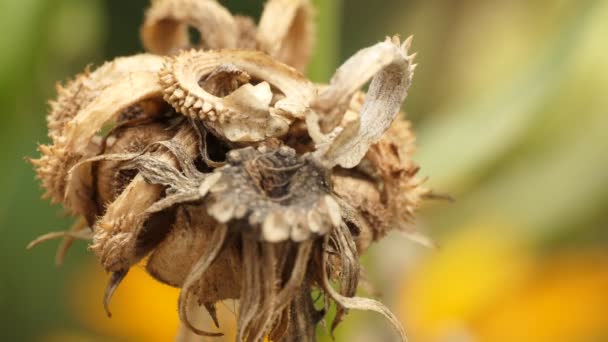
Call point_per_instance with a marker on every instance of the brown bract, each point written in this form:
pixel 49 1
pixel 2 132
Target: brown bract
pixel 234 174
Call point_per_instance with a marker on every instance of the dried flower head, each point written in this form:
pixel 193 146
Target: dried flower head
pixel 233 173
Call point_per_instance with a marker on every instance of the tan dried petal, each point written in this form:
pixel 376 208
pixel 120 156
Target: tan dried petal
pixel 208 294
pixel 86 87
pixel 165 30
pixel 132 89
pixel 247 33
pixel 286 31
pixel 358 303
pixel 245 115
pixel 121 90
pixel 392 71
pixel 117 231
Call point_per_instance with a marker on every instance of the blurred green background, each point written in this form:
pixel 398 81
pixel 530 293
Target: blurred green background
pixel 510 108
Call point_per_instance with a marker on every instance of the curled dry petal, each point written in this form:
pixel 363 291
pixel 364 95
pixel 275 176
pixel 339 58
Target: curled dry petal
pixel 392 71
pixel 82 109
pixel 129 90
pixel 117 231
pixel 384 188
pixel 286 31
pixel 208 257
pixel 86 87
pixel 248 113
pixel 165 30
pixel 358 303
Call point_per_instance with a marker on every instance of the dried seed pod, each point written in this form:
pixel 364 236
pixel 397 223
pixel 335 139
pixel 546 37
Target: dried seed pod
pixel 110 177
pixel 262 190
pixel 268 196
pixel 390 158
pixel 248 114
pixel 127 231
pixel 173 259
pixel 279 194
pixel 365 198
pixel 286 195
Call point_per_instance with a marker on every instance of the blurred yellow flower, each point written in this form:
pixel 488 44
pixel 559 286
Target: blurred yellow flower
pixel 484 287
pixel 564 301
pixel 142 308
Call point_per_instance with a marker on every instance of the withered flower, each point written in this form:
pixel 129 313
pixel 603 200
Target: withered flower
pixel 236 176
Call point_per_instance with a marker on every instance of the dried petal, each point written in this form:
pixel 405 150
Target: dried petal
pixel 86 87
pixel 165 30
pixel 198 269
pixel 286 31
pixel 359 303
pixel 83 108
pixel 391 69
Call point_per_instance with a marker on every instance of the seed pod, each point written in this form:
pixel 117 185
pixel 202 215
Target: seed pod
pixel 236 175
pixel 111 179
